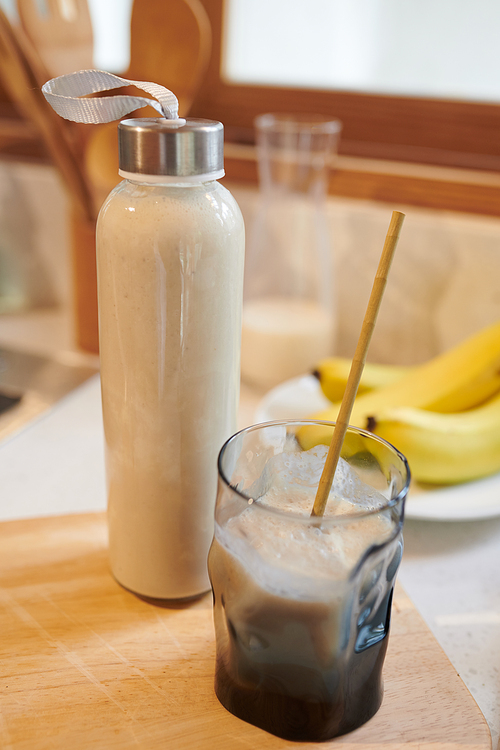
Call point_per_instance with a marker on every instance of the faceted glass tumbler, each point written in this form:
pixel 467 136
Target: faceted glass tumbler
pixel 302 604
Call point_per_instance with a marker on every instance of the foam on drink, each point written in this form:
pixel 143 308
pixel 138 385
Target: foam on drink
pixel 290 555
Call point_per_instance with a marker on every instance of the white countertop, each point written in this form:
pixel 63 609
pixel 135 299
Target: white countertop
pixel 451 571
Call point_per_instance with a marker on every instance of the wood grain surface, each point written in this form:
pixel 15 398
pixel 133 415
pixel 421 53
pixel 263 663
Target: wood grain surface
pixel 86 664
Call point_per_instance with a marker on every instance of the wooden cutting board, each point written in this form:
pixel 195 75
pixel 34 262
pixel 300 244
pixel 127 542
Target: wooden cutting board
pixel 86 664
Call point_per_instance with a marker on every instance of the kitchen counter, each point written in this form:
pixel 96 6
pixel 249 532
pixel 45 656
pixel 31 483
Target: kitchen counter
pixel 450 571
pixel 446 274
pixel 55 466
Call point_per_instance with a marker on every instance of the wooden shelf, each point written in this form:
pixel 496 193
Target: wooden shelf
pixel 398 183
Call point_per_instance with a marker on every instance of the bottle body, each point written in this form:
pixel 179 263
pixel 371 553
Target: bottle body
pixel 170 276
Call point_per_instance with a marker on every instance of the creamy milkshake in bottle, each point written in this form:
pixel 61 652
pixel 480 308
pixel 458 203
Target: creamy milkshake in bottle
pixel 302 605
pixel 170 244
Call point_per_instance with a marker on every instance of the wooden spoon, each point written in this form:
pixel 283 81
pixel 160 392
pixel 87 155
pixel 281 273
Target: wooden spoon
pixel 61 32
pixel 177 58
pixel 22 74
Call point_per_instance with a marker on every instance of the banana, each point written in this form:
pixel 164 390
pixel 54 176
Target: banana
pixel 445 448
pixel 461 378
pixel 333 372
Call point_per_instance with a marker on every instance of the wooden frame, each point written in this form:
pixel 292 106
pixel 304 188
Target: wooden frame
pixel 445 135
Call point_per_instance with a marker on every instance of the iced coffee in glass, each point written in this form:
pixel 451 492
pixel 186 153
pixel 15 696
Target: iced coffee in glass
pixel 302 604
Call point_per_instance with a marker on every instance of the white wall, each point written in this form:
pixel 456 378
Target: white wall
pixel 443 284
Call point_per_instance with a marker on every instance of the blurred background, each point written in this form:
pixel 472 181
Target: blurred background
pixel 417 88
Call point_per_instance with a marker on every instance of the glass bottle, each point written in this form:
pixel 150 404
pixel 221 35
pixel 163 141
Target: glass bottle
pixel 170 246
pixel 289 315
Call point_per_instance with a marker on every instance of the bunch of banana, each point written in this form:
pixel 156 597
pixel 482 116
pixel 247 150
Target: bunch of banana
pixel 445 448
pixel 444 415
pixel 333 372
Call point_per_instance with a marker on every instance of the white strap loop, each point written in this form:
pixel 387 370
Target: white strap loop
pixel 64 96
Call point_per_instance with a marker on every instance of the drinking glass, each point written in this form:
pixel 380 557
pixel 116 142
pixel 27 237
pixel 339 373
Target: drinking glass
pixel 289 310
pixel 302 604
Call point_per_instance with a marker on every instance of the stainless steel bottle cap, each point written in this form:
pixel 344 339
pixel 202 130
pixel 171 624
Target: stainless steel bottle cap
pixel 153 147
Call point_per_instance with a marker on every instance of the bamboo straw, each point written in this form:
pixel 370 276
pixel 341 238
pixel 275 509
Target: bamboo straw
pixel 358 363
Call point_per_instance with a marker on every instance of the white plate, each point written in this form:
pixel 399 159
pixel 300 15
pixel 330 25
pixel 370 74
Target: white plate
pixel 301 397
